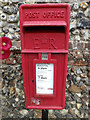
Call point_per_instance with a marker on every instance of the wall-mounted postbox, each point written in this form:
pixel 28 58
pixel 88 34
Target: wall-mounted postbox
pixel 44 47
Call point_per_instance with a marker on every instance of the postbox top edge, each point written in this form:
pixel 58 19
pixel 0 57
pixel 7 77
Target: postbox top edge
pixel 44 5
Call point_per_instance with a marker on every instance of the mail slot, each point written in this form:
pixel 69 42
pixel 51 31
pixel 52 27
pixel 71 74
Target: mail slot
pixel 44 30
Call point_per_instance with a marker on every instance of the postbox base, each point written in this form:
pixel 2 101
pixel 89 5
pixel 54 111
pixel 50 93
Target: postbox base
pixel 42 107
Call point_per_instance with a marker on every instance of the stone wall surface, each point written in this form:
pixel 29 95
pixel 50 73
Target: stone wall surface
pixel 78 70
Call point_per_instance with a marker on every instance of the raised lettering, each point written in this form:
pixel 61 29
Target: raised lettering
pixel 44 15
pixel 36 43
pixel 58 14
pixel 52 43
pixel 47 14
pixel 26 14
pixel 53 14
pixel 62 14
pixel 32 15
pixel 47 43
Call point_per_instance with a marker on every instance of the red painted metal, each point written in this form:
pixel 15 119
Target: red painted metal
pixel 44 29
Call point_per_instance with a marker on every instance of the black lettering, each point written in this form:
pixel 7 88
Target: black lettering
pixel 43 77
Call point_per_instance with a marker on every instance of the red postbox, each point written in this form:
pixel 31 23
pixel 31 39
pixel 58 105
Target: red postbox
pixel 44 46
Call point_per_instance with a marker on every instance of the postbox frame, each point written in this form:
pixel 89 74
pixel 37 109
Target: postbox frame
pixel 25 52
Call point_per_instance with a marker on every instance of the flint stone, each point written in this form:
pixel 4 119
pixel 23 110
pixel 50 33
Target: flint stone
pixel 19 4
pixel 12 90
pixel 75 89
pixel 16 45
pixel 73 23
pixel 7 10
pixel 14 9
pixel 17 90
pixel 78 100
pixel 80 14
pixel 83 87
pixel 40 1
pixel 77 112
pixel 73 14
pixel 2 24
pixel 68 115
pixel 72 73
pixel 73 102
pixel 12 26
pixel 0 30
pixel 64 111
pixel 74 97
pixel 23 112
pixel 83 70
pixel 1 12
pixel 84 5
pixel 10 36
pixel 5 30
pixel 78 71
pixel 51 111
pixel 78 94
pixel 18 30
pixel 16 99
pixel 17 36
pixel 21 81
pixel 80 84
pixel 87 115
pixel 11 30
pixel 87 12
pixel 18 24
pixel 78 78
pixel 57 114
pixel 76 32
pixel 82 32
pixel 86 36
pixel 15 1
pixel 83 75
pixel 3 16
pixel 71 111
pixel 18 15
pixel 72 69
pixel 83 23
pixel 76 6
pixel 88 74
pixel 77 37
pixel 12 18
pixel 1 34
pixel 5 2
pixel 10 2
pixel 4 89
pixel 13 105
